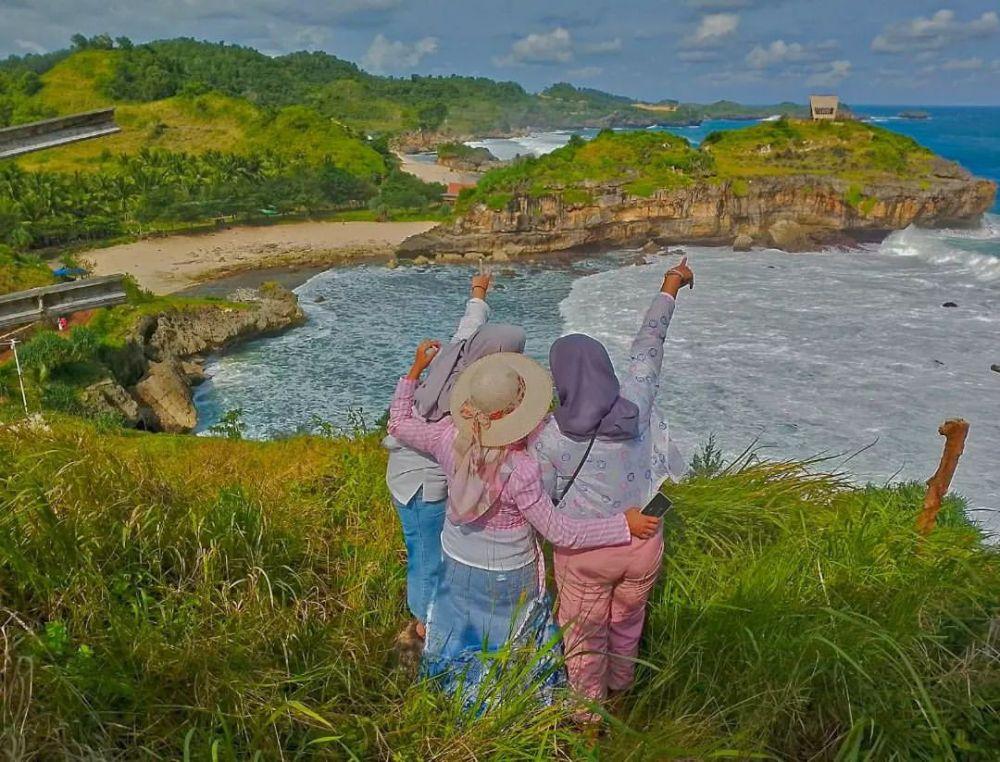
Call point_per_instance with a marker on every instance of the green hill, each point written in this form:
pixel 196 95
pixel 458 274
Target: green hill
pixel 643 162
pixel 123 73
pixel 212 130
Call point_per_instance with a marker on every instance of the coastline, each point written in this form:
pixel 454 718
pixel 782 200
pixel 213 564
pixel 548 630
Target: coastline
pixel 173 264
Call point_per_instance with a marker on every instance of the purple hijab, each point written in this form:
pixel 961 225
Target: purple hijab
pixel 432 398
pixel 589 393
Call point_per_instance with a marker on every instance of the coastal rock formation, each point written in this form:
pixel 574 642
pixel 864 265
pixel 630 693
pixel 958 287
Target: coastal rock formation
pixel 464 158
pixel 183 333
pixel 166 392
pixel 793 213
pixel 111 398
pixel 157 365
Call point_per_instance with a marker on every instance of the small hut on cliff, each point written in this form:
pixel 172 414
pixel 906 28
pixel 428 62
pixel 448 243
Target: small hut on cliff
pixel 824 106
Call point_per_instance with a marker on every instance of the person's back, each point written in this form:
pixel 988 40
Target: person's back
pixel 603 450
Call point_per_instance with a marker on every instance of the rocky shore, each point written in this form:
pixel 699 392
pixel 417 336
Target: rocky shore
pixel 161 359
pixel 792 213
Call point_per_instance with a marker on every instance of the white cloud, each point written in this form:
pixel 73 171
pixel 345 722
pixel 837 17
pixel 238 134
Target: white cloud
pixel 777 52
pixel 603 47
pixel 30 45
pixel 934 33
pixel 962 64
pixel 548 47
pixel 394 55
pixel 555 46
pixel 713 29
pixel 831 75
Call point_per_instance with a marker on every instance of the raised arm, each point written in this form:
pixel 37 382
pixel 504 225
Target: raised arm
pixel 525 486
pixel 642 380
pixel 477 311
pixel 412 431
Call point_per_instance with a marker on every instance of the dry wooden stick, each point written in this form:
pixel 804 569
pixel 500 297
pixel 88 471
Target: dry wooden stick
pixel 954 432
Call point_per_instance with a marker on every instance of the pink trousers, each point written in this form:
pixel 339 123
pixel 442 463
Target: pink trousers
pixel 602 607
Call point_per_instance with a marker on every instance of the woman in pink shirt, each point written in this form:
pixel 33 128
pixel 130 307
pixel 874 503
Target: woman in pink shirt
pixel 492 590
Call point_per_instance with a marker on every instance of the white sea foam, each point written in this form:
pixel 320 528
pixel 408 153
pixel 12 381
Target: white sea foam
pixel 806 353
pixel 974 251
pixel 823 353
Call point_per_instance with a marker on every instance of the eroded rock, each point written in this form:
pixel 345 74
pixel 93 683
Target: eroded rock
pixel 111 398
pixel 166 392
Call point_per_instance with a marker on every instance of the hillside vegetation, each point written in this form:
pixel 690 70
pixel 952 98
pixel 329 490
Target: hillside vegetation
pixel 643 162
pixel 338 89
pixel 214 131
pixel 181 597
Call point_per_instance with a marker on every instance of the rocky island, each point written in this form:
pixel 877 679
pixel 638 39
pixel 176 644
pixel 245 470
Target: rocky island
pixel 789 184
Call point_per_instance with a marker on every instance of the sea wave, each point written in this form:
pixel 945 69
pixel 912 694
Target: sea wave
pixel 975 251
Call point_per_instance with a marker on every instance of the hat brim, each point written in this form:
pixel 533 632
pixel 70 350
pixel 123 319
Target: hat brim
pixel 525 417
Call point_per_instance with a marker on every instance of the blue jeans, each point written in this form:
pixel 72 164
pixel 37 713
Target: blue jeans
pixel 422 524
pixel 478 613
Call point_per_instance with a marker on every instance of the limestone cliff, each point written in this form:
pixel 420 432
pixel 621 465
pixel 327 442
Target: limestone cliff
pixel 793 213
pixel 159 362
pixel 790 184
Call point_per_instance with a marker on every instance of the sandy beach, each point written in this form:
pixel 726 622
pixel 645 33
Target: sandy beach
pixel 174 263
pixel 430 172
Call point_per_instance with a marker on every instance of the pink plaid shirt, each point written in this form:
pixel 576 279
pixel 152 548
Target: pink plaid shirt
pixel 522 498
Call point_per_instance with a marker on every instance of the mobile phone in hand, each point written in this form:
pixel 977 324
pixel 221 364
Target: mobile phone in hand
pixel 658 506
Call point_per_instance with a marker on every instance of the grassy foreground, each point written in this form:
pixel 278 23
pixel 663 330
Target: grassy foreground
pixel 176 597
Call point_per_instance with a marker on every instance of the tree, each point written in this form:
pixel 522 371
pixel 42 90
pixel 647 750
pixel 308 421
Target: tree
pixel 431 116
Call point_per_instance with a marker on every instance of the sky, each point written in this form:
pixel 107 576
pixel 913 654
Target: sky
pixel 923 52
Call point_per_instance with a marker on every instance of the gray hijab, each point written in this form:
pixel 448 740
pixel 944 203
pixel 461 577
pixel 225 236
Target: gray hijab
pixel 589 400
pixel 432 396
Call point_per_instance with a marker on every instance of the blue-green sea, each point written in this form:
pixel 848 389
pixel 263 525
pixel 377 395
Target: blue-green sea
pixel 846 354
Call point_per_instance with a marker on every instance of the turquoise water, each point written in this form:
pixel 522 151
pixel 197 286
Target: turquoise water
pixel 820 353
pixel 969 135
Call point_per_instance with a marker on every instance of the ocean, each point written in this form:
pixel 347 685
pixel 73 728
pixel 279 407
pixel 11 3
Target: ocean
pixel 845 355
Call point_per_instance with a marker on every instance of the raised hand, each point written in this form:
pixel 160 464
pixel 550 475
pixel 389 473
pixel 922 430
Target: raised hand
pixel 677 276
pixel 481 284
pixel 426 352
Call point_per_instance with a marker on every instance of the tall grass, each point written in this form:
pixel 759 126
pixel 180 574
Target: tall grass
pixel 190 598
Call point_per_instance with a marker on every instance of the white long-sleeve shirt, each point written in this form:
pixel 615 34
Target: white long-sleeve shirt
pixel 410 471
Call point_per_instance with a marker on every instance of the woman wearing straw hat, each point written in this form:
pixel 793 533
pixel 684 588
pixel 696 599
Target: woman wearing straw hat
pixel 609 437
pixel 417 483
pixel 493 588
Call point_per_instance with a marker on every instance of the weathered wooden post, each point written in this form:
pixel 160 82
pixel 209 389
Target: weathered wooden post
pixel 954 432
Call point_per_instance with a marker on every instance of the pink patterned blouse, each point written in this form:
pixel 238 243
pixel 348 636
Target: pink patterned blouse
pixel 502 539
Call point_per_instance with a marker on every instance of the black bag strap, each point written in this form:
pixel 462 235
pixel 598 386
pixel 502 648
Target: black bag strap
pixel 579 467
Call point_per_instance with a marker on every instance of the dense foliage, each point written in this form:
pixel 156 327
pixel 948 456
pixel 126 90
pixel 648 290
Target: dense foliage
pixel 643 162
pixel 184 597
pixel 340 89
pixel 20 271
pixel 17 86
pixel 136 193
pixel 846 149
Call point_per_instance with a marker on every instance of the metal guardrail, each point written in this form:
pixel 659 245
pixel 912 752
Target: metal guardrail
pixel 45 302
pixel 49 133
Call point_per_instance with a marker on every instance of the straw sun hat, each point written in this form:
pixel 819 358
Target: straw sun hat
pixel 507 393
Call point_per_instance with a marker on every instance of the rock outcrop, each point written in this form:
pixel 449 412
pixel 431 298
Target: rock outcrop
pixel 158 364
pixel 793 213
pixel 166 392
